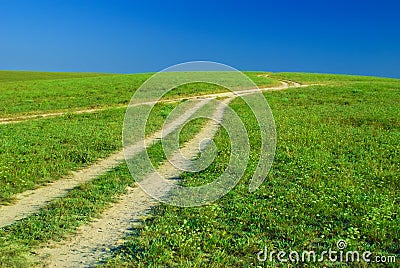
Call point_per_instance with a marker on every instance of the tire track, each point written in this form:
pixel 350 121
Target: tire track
pixel 31 201
pixel 93 240
pixel 19 119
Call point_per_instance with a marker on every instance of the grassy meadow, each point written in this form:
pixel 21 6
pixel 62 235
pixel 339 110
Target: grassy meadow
pixel 335 174
pixel 55 93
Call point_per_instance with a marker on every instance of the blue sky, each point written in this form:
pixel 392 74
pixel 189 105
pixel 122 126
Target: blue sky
pixel 330 36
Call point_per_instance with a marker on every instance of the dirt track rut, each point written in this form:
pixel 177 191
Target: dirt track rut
pixel 31 201
pixel 93 240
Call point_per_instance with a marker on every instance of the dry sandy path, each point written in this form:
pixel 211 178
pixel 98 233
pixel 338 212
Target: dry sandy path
pixel 31 201
pixel 17 119
pixel 93 240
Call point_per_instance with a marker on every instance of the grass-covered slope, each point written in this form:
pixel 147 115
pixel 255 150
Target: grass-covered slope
pixel 335 176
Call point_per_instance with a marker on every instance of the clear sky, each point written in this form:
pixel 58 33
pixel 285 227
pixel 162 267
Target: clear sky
pixel 332 36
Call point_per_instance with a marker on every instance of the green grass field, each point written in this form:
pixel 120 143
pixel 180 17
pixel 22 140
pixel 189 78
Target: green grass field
pixel 335 174
pixel 53 94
